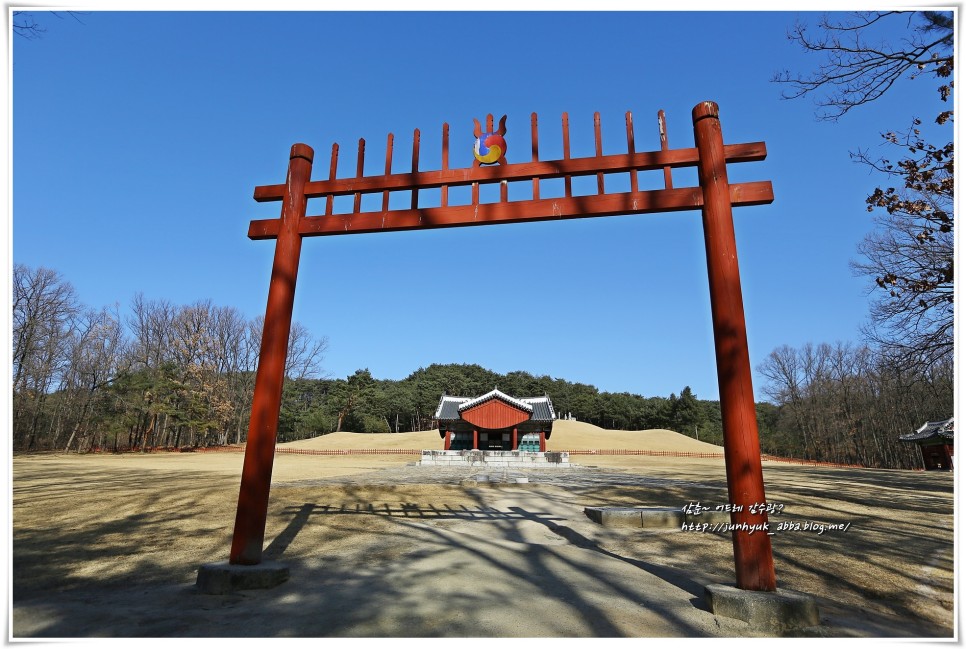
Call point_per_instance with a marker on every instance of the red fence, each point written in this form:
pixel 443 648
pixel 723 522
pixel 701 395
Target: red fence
pixel 354 451
pixel 389 451
pixel 284 451
pixel 625 451
pixel 794 460
pixel 410 451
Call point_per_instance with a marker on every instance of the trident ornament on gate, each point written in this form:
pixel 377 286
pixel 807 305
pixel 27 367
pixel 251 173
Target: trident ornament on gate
pixel 490 147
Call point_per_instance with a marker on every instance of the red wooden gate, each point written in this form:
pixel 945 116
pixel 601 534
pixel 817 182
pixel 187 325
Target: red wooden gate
pixel 714 196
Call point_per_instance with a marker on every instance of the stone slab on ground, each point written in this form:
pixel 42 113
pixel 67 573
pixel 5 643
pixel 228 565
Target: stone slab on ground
pixel 222 577
pixel 504 478
pixel 651 517
pixel 778 611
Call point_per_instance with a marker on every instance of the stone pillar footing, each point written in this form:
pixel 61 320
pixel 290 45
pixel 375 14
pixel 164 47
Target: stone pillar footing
pixel 223 577
pixel 779 611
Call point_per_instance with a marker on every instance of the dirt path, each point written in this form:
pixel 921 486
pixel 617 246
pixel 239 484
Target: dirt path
pixel 110 546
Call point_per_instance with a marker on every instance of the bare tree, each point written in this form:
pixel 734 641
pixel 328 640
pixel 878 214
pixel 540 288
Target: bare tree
pixel 150 322
pixel 305 352
pixel 910 256
pixel 147 396
pixel 97 355
pixel 44 309
pixel 860 65
pixel 202 391
pixel 234 362
pixel 43 306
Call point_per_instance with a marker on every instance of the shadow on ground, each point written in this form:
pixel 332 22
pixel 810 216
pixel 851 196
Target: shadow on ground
pixel 414 559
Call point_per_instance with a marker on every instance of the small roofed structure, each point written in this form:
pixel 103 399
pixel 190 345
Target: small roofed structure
pixel 495 421
pixel 935 440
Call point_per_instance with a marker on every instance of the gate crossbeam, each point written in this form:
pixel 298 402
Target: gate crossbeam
pixel 659 200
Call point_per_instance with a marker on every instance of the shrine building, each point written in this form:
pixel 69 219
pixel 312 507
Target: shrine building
pixel 494 422
pixel 935 441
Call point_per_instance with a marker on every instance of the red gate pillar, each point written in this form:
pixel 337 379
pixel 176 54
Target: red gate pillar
pixel 754 564
pixel 249 535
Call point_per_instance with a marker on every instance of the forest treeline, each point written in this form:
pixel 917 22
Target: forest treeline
pixel 831 403
pixel 362 403
pixel 166 375
pixel 850 403
pixel 162 375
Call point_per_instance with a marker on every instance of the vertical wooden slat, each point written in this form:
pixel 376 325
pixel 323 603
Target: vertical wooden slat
pixel 385 194
pixel 662 127
pixel 360 165
pixel 415 192
pixel 503 191
pixel 333 164
pixel 475 198
pixel 534 153
pixel 566 152
pixel 444 190
pixel 475 187
pixel 599 150
pixel 630 147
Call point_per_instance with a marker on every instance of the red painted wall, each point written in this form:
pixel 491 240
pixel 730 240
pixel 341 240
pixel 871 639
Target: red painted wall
pixel 937 456
pixel 494 414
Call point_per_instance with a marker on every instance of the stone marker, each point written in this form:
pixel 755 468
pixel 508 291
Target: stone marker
pixel 777 611
pixel 222 577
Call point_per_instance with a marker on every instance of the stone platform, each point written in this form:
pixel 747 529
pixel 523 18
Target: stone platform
pixel 509 459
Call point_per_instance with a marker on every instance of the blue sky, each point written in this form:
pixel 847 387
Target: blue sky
pixel 138 138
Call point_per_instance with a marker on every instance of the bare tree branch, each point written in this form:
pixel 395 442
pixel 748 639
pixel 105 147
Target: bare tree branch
pixel 860 67
pixel 26 25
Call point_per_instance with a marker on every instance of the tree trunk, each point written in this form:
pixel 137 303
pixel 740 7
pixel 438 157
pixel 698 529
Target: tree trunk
pixel 238 430
pixel 147 433
pixel 70 441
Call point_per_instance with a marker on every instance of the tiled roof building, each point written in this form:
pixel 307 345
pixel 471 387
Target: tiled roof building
pixel 935 440
pixel 495 421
